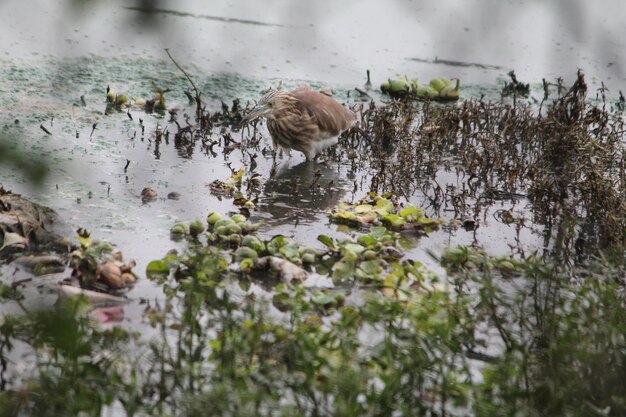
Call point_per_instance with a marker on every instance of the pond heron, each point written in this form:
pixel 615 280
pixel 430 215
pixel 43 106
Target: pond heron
pixel 305 120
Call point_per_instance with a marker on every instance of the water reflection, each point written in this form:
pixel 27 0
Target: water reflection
pixel 301 193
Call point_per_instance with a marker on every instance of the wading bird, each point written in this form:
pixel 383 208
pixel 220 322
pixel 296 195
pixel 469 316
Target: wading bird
pixel 305 120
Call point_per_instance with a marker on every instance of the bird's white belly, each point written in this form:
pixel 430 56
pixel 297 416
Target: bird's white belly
pixel 321 144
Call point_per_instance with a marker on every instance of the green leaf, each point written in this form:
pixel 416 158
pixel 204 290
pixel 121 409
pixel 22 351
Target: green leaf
pixel 344 216
pixel 354 248
pixel 275 243
pixel 363 208
pixel 158 267
pixel 290 251
pixel 378 231
pixel 344 268
pixel 384 206
pixel 247 264
pixel 327 241
pixel 322 299
pixel 371 267
pixel 393 220
pixel 367 240
pixel 410 211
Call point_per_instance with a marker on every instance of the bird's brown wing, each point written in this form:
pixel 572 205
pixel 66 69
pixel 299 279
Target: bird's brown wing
pixel 332 118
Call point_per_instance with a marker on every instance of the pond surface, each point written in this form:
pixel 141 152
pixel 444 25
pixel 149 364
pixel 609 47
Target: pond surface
pixel 56 54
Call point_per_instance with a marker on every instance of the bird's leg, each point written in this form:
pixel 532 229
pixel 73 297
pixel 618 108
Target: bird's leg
pixel 274 169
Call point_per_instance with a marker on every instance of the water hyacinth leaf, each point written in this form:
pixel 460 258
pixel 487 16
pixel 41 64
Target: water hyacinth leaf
pixel 246 265
pixel 367 218
pixel 327 241
pixel 344 268
pixel 290 251
pixel 384 206
pixel 344 206
pixel 424 221
pixel 378 231
pixel 238 218
pixel 157 267
pixel 308 258
pixel 372 267
pixel 275 243
pixel 393 220
pixel 179 229
pixel 344 216
pixel 410 211
pixel 223 222
pixel 282 301
pixel 253 242
pixel 354 248
pixel 367 240
pixel 245 252
pixel 196 227
pixel 213 218
pixel 322 298
pixel 374 209
pixel 363 208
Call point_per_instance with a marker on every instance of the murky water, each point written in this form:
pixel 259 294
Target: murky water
pixel 55 53
pixel 334 42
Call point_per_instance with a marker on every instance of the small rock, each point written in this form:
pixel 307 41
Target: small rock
pixel 110 274
pixel 469 224
pixel 148 194
pixel 174 195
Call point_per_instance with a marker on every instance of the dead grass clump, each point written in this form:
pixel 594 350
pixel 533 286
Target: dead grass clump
pixel 568 162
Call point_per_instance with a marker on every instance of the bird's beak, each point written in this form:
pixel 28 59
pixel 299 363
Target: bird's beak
pixel 255 113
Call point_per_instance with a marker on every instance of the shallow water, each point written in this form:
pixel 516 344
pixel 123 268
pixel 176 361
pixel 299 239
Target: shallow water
pixel 334 42
pixel 232 51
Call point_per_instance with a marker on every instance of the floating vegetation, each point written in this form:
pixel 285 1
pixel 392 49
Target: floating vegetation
pixel 234 187
pixel 228 186
pixel 439 88
pixel 98 265
pixel 121 101
pixel 475 258
pixel 376 210
pixel 372 259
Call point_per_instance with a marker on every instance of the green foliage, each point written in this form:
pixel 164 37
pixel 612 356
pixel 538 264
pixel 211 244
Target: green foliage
pixel 404 344
pixel 376 210
pixel 564 343
pixel 79 370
